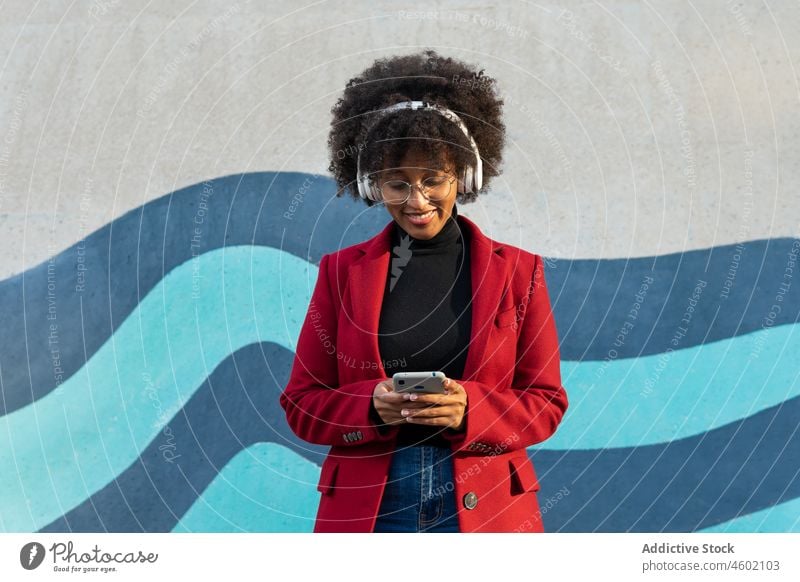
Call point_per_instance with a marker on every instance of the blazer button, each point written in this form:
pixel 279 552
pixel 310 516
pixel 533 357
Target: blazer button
pixel 470 500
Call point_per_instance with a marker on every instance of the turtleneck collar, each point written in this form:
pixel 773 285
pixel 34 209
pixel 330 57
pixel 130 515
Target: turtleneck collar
pixel 451 235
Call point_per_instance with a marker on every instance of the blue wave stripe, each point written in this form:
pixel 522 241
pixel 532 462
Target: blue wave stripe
pixel 657 399
pixel 593 298
pixel 683 485
pixel 89 288
pixel 235 408
pixel 265 488
pixel 64 447
pixel 679 405
pixel 628 308
pixel 741 474
pixel 781 518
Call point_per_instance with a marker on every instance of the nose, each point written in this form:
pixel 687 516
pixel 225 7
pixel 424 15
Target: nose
pixel 416 200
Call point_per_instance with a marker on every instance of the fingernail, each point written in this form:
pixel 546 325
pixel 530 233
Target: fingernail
pixel 404 412
pixel 412 396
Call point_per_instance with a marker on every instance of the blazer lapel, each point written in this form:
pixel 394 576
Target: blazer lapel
pixel 489 281
pixel 367 282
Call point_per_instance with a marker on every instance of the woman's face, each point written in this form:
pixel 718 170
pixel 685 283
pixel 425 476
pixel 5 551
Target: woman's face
pixel 420 217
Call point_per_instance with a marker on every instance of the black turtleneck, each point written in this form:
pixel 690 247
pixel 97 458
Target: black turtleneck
pixel 426 314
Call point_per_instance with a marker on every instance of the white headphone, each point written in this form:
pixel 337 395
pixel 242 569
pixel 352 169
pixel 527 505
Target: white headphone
pixel 470 179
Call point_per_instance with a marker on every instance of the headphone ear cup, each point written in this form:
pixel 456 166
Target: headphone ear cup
pixel 479 175
pixel 470 186
pixel 368 190
pixel 375 192
pixel 362 191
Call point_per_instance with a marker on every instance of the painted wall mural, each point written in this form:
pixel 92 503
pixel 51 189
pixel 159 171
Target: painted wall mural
pixel 140 371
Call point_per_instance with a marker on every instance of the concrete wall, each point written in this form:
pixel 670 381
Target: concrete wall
pixel 160 162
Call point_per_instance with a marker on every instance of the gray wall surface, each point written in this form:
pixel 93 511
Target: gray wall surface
pixel 164 205
pixel 630 123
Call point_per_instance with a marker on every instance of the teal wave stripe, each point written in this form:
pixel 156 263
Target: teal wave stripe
pixel 674 395
pixel 780 518
pixel 264 488
pixel 61 449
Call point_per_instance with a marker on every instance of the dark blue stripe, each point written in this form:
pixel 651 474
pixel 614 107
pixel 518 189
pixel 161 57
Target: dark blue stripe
pixel 128 257
pixel 681 486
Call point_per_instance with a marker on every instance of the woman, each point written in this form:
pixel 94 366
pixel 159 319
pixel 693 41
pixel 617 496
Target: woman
pixel 430 292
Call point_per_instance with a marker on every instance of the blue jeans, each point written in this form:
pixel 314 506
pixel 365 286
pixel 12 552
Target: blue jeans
pixel 419 495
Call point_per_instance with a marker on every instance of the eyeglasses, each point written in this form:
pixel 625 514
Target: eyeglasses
pixel 434 188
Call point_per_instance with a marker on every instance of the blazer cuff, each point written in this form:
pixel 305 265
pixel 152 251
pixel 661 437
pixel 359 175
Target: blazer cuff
pixel 380 426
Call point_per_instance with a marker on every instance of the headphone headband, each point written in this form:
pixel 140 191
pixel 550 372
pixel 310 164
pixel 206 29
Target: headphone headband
pixel 472 176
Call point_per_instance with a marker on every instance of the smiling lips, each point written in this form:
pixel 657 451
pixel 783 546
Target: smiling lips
pixel 420 219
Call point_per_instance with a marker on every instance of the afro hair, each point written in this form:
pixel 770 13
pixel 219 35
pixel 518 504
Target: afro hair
pixel 385 138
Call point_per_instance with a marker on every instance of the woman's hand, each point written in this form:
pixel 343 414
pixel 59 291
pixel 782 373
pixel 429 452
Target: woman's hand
pixel 388 403
pixel 446 410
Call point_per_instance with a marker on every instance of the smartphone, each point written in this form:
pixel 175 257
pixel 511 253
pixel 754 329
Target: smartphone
pixel 425 382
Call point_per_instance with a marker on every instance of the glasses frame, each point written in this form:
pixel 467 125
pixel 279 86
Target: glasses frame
pixel 420 186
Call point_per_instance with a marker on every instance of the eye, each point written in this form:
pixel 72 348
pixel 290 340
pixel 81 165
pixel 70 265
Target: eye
pixel 435 181
pixel 395 185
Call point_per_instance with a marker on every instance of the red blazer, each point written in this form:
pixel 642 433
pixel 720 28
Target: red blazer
pixel 512 378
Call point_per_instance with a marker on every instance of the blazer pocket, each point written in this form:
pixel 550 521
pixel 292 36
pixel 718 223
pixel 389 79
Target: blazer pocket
pixel 506 317
pixel 327 477
pixel 523 476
